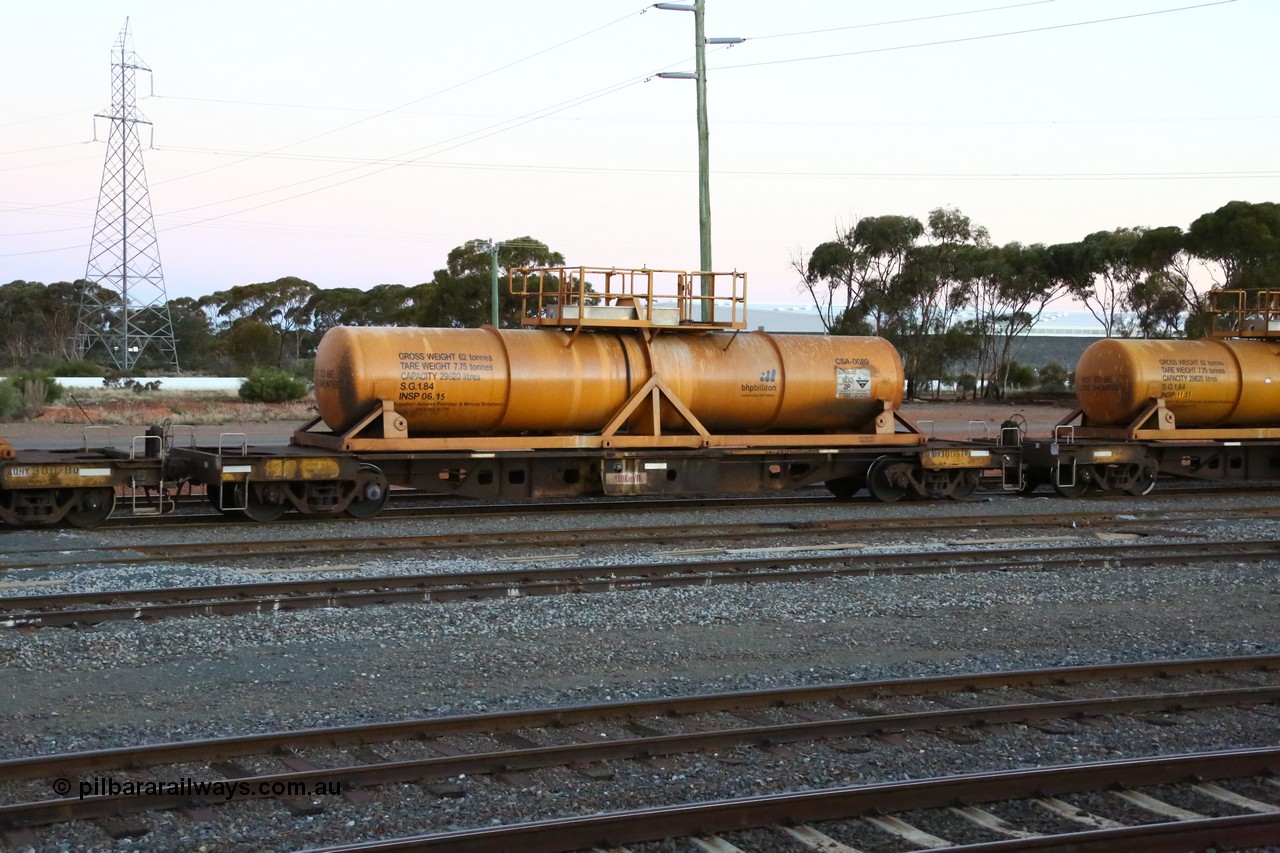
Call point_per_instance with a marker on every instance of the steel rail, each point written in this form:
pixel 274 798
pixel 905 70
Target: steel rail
pixel 580 754
pixel 445 506
pixel 678 706
pixel 782 528
pixel 713 818
pixel 24 611
pixel 798 499
pixel 557 538
pixel 140 552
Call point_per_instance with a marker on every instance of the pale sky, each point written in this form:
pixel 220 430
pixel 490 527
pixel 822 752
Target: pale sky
pixel 356 144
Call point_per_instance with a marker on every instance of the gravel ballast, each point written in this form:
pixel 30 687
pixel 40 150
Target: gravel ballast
pixel 124 683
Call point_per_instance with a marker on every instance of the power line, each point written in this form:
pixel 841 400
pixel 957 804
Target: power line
pixel 971 38
pixel 81 111
pixel 434 94
pixel 389 163
pixel 510 124
pixel 280 105
pixel 609 90
pixel 461 140
pixel 41 148
pixel 528 167
pixel 44 164
pixel 787 122
pixel 378 114
pixel 1260 174
pixel 900 21
pixel 564 105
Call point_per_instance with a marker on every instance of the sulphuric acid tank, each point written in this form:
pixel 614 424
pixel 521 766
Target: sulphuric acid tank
pixel 510 381
pixel 1204 383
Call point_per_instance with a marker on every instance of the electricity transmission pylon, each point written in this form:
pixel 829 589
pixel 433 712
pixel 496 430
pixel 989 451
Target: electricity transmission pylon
pixel 124 312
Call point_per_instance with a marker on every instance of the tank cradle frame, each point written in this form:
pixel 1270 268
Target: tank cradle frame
pixel 382 429
pixel 1156 423
pixel 1080 456
pixel 892 457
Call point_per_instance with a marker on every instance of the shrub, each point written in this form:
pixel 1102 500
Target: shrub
pixel 39 384
pixel 79 367
pixel 10 401
pixel 1053 377
pixel 251 344
pixel 123 382
pixel 36 394
pixel 272 385
pixel 1016 375
pixel 24 395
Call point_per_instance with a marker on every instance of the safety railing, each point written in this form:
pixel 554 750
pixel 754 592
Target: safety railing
pixel 1244 313
pixel 570 297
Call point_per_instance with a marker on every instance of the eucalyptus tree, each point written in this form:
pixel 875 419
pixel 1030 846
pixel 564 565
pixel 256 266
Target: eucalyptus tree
pixel 923 299
pixel 38 321
pixel 1157 303
pixel 835 278
pixel 1243 239
pixel 1172 267
pixel 1012 286
pixel 282 305
pixel 1112 259
pixel 383 305
pixel 459 294
pixel 193 335
pixel 849 278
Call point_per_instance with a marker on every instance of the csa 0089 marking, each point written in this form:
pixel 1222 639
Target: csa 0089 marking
pixel 853 384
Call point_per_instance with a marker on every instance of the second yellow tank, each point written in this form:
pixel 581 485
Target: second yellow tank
pixel 1204 383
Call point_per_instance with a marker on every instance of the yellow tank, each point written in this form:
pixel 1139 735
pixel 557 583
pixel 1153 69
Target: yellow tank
pixel 1204 383
pixel 491 381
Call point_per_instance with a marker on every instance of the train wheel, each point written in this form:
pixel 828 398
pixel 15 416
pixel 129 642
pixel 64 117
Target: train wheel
pixel 265 503
pixel 966 483
pixel 889 480
pixel 1144 483
pixel 7 515
pixel 371 493
pixel 90 507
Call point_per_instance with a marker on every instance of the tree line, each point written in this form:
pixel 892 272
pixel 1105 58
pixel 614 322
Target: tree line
pixel 270 324
pixel 940 290
pixel 945 295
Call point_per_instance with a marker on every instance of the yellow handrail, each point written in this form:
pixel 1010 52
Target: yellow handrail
pixel 568 297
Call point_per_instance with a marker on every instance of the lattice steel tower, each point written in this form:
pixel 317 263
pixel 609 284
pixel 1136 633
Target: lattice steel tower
pixel 124 313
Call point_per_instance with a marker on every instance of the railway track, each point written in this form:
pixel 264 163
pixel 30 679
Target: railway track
pixel 78 609
pixel 826 820
pixel 411 504
pixel 443 754
pixel 135 553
